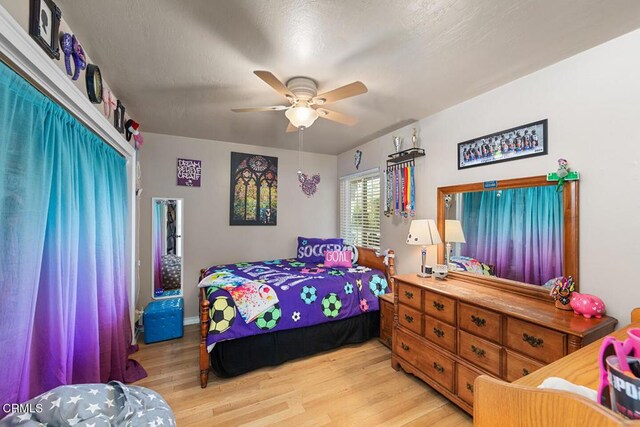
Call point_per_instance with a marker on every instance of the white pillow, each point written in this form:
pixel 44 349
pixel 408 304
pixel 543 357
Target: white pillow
pixel 354 252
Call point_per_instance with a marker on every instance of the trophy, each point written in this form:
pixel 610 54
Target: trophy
pixel 397 143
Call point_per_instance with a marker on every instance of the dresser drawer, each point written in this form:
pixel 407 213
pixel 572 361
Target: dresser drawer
pixel 517 366
pixel 410 318
pixel 440 333
pixel 483 323
pixel 440 307
pixel 535 341
pixel 480 352
pixel 409 295
pixel 385 338
pixel 425 357
pixel 386 314
pixel 464 382
pixel 439 367
pixel 409 348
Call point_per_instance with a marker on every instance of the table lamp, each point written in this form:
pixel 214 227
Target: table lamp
pixel 423 232
pixel 452 234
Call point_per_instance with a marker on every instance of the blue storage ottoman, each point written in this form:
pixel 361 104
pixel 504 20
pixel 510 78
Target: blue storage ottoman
pixel 163 320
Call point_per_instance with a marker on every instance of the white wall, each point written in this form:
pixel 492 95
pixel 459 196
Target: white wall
pixel 208 237
pixel 592 101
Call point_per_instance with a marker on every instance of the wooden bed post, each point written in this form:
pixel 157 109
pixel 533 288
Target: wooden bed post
pixel 391 268
pixel 204 329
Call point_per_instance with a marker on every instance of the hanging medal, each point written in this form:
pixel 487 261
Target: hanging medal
pixel 412 211
pixel 390 191
pixel 406 191
pixel 409 189
pixel 387 195
pixel 396 174
pixel 402 191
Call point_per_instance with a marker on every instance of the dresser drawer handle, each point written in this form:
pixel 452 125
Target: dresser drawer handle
pixel 439 332
pixel 438 367
pixel 525 372
pixel 438 305
pixel 478 351
pixel 408 294
pixel 470 387
pixel 404 346
pixel 408 318
pixel 533 341
pixel 479 321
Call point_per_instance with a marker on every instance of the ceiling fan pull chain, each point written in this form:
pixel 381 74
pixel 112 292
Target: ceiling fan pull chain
pixel 300 149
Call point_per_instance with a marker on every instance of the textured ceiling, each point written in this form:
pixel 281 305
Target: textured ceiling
pixel 180 66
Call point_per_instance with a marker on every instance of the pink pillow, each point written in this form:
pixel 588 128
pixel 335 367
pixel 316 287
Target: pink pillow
pixel 338 259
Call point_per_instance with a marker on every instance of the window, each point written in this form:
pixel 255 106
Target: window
pixel 360 209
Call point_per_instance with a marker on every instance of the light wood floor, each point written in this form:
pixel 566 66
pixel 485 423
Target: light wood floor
pixel 351 386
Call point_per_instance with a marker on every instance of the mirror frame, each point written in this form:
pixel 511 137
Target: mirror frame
pixel 153 241
pixel 570 233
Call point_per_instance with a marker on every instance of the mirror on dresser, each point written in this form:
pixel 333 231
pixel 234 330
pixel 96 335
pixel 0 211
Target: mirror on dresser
pixel 513 234
pixel 166 250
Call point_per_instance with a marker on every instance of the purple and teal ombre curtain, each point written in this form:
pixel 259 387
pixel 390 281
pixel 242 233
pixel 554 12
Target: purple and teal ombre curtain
pixel 64 314
pixel 158 246
pixel 519 231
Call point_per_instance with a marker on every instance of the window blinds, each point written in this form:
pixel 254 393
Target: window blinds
pixel 360 209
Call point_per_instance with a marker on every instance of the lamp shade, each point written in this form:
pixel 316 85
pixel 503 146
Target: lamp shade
pixel 423 232
pixel 453 231
pixel 301 116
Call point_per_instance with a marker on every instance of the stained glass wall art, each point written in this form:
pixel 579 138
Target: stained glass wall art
pixel 254 190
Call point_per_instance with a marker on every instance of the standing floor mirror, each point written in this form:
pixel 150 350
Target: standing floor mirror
pixel 166 249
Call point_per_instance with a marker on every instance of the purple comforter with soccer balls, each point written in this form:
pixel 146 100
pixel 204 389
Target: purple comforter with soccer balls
pixel 308 294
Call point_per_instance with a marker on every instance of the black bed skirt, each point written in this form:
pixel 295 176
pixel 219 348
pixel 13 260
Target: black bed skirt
pixel 239 356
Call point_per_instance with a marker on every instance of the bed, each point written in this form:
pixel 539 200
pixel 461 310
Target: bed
pixel 472 265
pixel 318 308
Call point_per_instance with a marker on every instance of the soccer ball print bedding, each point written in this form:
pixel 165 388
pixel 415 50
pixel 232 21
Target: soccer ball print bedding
pixel 222 314
pixel 308 294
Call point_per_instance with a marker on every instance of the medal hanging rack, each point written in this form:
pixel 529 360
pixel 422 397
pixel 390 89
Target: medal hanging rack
pixel 400 193
pixel 405 156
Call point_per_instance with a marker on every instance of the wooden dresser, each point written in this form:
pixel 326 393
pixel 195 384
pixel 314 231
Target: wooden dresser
pixel 449 332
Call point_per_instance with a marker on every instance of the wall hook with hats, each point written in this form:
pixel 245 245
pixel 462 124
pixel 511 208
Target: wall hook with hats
pixel 131 128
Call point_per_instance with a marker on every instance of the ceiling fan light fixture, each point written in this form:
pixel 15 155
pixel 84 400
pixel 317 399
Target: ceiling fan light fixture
pixel 301 116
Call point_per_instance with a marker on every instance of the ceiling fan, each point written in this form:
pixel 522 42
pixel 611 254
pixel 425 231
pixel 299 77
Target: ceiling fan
pixel 305 103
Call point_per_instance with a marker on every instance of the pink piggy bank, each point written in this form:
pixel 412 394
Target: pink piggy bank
pixel 587 305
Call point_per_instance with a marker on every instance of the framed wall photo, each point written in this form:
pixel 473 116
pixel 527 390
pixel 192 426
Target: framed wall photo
pixel 44 25
pixel 510 144
pixel 254 190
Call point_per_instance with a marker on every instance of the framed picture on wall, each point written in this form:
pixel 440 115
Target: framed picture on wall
pixel 510 144
pixel 44 25
pixel 188 172
pixel 254 190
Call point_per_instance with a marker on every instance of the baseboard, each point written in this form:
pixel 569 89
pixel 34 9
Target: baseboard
pixel 191 320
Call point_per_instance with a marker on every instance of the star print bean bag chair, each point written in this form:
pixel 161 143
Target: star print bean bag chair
pixel 97 405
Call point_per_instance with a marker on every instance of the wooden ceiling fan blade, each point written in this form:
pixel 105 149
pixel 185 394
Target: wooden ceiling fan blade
pixel 273 81
pixel 252 109
pixel 337 117
pixel 291 128
pixel 347 91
